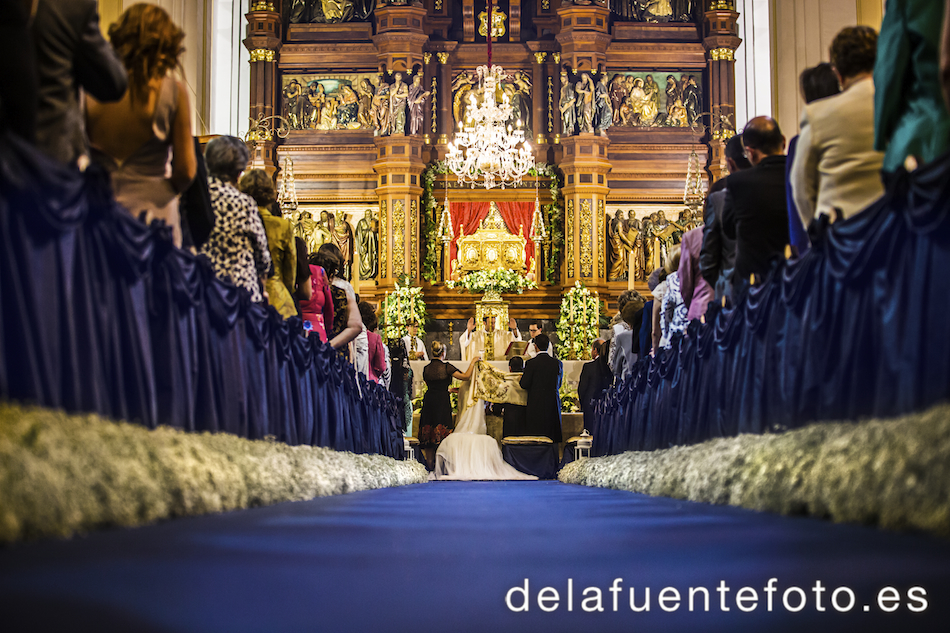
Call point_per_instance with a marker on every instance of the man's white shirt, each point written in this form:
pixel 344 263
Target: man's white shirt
pixel 415 345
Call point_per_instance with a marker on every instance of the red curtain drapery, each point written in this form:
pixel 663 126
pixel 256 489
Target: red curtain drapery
pixel 515 215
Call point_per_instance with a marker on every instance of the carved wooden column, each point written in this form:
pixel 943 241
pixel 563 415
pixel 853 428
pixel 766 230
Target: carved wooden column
pixel 585 167
pixel 721 41
pixel 399 36
pixel 399 167
pixel 264 42
pixel 445 123
pixel 583 36
pixel 539 97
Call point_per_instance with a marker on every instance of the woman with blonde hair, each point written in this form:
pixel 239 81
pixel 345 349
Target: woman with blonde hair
pixel 145 139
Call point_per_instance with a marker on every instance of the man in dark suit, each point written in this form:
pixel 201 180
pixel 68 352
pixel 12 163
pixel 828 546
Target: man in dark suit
pixel 71 54
pixel 755 210
pixel 542 380
pixel 595 379
pixel 718 254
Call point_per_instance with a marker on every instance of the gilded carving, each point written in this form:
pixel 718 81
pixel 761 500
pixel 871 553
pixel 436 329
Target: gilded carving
pixel 497 23
pixel 540 57
pixel 399 238
pixel 262 55
pixel 569 231
pixel 383 238
pixel 722 54
pixel 601 221
pixel 638 100
pixel 435 109
pixel 443 58
pixel 587 251
pixel 329 101
pixel 414 239
pixel 516 85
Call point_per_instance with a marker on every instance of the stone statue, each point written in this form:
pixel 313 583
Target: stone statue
pixel 317 96
pixel 567 106
pixel 618 92
pixel 605 113
pixel 294 104
pixel 616 248
pixel 398 98
pixel 364 90
pixel 342 236
pixel 585 104
pixel 417 102
pixel 381 120
pixel 367 244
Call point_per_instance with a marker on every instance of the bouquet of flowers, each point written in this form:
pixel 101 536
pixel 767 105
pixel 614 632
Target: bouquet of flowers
pixel 570 401
pixel 498 281
pixel 579 324
pixel 403 306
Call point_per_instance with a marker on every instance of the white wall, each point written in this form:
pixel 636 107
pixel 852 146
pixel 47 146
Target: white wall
pixel 753 61
pixel 230 69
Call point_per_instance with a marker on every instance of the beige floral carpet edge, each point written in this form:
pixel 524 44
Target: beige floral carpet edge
pixel 890 473
pixel 64 474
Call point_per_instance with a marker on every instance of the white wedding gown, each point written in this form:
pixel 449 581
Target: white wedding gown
pixel 469 453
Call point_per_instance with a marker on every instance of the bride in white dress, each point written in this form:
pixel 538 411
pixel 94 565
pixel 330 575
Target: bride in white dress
pixel 469 453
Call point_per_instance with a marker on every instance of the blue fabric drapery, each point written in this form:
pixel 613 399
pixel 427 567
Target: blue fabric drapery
pixel 100 313
pixel 854 328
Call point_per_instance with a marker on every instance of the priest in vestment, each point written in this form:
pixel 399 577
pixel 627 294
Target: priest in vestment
pixel 473 341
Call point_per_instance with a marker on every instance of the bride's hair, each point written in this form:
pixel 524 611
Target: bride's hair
pixel 437 349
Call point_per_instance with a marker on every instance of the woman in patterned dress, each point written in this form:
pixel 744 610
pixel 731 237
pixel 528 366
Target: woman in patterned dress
pixel 237 246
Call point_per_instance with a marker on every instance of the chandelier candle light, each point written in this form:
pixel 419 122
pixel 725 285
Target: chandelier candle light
pixel 487 149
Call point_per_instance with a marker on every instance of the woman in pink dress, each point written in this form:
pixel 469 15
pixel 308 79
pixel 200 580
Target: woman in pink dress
pixel 318 309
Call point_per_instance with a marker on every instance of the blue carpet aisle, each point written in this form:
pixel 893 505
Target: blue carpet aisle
pixel 442 556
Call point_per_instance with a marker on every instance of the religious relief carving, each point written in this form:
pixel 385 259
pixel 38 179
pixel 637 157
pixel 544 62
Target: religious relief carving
pixel 585 106
pixel 315 233
pixel 328 102
pixel 601 214
pixel 330 11
pixel 516 86
pixel 637 100
pixel 367 245
pixel 567 106
pixel 383 238
pixel 413 238
pixel 584 91
pixel 653 10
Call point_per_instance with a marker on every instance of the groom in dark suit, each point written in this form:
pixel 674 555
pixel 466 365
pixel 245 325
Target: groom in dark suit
pixel 542 380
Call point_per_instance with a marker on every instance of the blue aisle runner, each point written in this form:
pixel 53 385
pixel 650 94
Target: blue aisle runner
pixel 443 556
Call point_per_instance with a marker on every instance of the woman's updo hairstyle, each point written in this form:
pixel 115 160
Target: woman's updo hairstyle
pixel 329 257
pixel 149 45
pixel 437 348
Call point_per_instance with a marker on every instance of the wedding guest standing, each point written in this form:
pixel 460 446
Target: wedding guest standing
pixel 542 381
pixel 595 379
pixel 515 416
pixel 70 54
pixel 435 421
pixel 137 137
pixel 237 246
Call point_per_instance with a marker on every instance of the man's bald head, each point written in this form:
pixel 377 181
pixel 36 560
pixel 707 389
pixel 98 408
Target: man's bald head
pixel 762 137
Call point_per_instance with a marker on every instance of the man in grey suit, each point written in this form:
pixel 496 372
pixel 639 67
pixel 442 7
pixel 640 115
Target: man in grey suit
pixel 71 54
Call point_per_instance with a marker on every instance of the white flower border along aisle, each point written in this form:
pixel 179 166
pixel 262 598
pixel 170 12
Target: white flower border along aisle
pixel 579 324
pixel 890 473
pixel 403 306
pixel 64 474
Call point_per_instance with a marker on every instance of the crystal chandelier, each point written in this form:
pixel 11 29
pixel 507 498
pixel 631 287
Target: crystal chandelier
pixel 488 149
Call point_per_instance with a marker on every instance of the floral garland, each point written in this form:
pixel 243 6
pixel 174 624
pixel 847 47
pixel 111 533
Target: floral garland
pixel 498 280
pixel 553 216
pixel 579 325
pixel 403 306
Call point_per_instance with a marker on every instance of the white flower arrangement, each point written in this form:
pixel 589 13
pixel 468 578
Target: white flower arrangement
pixel 403 306
pixel 498 280
pixel 579 324
pixel 62 474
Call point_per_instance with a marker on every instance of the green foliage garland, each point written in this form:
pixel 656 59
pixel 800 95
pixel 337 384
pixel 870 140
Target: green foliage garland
pixel 579 324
